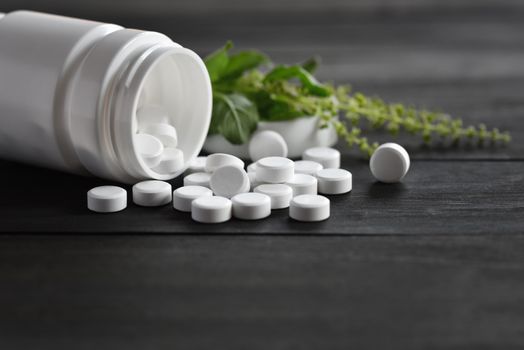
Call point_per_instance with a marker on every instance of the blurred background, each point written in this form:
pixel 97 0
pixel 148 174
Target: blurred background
pixel 465 57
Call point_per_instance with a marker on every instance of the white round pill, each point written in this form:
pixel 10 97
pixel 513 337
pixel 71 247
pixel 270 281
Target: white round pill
pixel 217 160
pixel 151 114
pixel 308 207
pixel 308 167
pixel 334 181
pixel 280 194
pixel 228 181
pixel 197 165
pixel 252 168
pixel 251 206
pixel 303 184
pixel 211 210
pixel 184 196
pixel 389 163
pixel 197 179
pixel 328 157
pixel 166 133
pixel 267 143
pixel 152 193
pixel 172 160
pixel 149 148
pixel 275 169
pixel 106 199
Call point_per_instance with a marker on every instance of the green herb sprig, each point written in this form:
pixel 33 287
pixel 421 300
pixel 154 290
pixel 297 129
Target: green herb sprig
pixel 248 87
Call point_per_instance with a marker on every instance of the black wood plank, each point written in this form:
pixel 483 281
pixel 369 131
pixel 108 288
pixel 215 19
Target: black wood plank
pixel 136 292
pixel 436 197
pixel 372 8
pixel 287 26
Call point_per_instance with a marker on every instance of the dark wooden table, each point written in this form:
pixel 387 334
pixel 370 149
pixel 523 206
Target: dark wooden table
pixel 436 262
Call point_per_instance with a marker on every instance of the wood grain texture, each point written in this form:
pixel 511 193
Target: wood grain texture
pixel 433 263
pixel 251 8
pixel 139 292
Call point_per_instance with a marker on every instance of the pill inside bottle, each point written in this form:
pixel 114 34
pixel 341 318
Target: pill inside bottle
pixel 164 114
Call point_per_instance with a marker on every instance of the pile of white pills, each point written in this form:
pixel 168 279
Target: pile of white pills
pixel 156 140
pixel 217 188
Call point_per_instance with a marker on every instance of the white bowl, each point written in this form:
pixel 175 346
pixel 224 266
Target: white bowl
pixel 300 134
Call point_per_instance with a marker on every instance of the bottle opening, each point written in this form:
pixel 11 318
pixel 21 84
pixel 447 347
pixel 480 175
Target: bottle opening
pixel 172 84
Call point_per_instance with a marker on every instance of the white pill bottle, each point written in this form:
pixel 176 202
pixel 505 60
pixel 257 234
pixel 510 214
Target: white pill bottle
pixel 70 88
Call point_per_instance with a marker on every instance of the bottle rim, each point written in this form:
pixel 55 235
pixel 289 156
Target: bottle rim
pixel 128 89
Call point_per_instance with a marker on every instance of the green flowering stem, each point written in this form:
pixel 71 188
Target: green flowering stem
pixel 395 117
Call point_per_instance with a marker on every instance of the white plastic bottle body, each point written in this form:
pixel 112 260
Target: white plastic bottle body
pixel 70 88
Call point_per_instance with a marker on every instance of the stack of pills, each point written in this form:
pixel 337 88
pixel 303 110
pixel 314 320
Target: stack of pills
pixel 156 140
pixel 217 187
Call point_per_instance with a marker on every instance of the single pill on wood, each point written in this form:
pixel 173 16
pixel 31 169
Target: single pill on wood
pixel 149 148
pixel 152 193
pixel 280 194
pixel 303 184
pixel 309 208
pixel 106 199
pixel 211 210
pixel 251 206
pixel 389 163
pixel 275 170
pixel 164 132
pixel 172 160
pixel 197 179
pixel 151 114
pixel 217 160
pixel 267 143
pixel 228 181
pixel 334 181
pixel 327 156
pixel 197 165
pixel 184 196
pixel 308 167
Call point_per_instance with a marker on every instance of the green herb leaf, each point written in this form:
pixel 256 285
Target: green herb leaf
pixel 242 62
pixel 308 81
pixel 234 116
pixel 275 107
pixel 217 62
